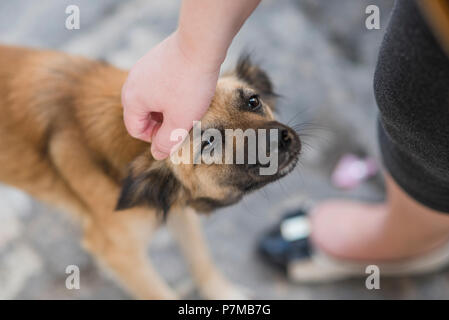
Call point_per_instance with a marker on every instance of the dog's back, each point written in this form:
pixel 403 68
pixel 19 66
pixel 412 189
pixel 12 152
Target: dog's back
pixel 21 128
pixel 45 92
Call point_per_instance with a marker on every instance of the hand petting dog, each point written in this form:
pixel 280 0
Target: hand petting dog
pixel 166 90
pixel 173 84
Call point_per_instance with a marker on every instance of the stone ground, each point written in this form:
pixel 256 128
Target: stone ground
pixel 321 58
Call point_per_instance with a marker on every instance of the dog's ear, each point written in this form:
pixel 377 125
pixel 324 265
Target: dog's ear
pixel 256 77
pixel 150 184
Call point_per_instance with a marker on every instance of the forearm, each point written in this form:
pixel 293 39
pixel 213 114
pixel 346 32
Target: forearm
pixel 207 27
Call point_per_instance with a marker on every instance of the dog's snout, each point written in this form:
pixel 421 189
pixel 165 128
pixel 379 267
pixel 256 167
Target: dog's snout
pixel 285 138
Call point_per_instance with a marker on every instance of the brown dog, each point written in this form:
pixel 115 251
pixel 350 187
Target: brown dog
pixel 62 140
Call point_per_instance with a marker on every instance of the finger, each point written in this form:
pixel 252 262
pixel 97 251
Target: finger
pixel 139 125
pixel 163 143
pixel 151 129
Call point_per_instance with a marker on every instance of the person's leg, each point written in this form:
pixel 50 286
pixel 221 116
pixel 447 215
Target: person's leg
pixel 411 86
pixel 397 229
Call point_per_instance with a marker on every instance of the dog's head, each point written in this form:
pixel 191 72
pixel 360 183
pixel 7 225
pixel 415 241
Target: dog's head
pixel 209 170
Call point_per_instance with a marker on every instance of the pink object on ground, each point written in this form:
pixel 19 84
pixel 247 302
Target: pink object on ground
pixel 351 170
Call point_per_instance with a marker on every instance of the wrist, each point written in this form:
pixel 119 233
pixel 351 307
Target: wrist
pixel 204 54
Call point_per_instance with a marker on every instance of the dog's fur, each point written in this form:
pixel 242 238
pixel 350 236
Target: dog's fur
pixel 62 140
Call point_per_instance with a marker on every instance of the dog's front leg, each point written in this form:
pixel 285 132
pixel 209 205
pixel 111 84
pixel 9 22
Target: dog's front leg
pixel 186 228
pixel 120 245
pixel 117 239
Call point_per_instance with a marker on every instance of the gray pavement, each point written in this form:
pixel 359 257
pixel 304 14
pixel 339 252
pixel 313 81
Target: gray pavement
pixel 321 59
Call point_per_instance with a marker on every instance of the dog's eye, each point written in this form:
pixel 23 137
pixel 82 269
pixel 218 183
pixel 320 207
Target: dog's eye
pixel 254 102
pixel 208 142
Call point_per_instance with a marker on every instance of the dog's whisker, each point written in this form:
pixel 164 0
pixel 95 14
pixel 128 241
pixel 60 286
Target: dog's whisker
pixel 245 205
pixel 264 193
pixel 282 187
pixel 295 117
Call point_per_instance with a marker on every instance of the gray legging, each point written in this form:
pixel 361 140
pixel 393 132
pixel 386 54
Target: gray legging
pixel 411 84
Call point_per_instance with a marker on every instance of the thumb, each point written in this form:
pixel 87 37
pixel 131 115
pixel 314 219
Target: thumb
pixel 169 135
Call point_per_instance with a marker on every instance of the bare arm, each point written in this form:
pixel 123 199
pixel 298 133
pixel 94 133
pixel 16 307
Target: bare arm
pixel 207 27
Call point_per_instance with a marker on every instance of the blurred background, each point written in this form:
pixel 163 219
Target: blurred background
pixel 321 59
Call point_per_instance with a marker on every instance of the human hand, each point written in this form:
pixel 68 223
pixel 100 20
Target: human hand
pixel 167 89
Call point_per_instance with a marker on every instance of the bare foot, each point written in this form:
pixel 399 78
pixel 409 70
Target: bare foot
pixel 400 228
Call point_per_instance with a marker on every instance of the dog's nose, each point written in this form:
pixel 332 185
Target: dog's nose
pixel 285 139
